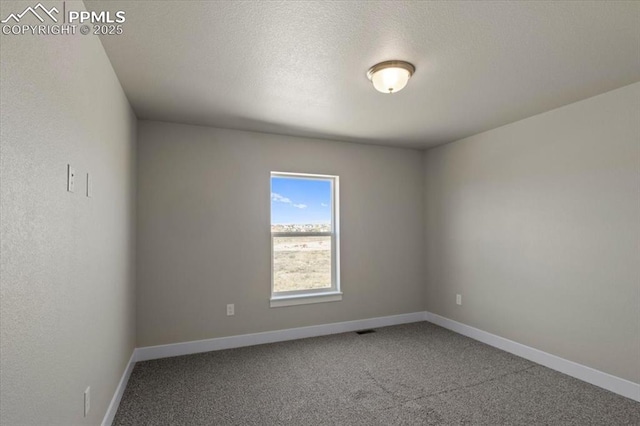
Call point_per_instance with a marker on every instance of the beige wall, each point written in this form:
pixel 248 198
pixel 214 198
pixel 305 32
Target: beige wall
pixel 203 230
pixel 67 278
pixel 537 225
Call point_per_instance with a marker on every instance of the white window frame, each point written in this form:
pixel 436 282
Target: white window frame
pixel 316 295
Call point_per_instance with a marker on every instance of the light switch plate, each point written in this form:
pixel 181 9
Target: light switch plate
pixel 89 186
pixel 71 178
pixel 87 400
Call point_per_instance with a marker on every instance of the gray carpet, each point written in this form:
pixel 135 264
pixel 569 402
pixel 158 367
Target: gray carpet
pixel 403 375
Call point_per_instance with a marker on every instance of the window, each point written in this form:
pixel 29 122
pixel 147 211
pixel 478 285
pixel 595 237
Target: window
pixel 304 239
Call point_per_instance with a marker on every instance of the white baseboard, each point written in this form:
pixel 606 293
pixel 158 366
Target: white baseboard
pixel 590 375
pixel 197 346
pixel 582 372
pixel 117 396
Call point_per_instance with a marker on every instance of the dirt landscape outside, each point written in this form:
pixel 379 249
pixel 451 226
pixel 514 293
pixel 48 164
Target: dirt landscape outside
pixel 301 263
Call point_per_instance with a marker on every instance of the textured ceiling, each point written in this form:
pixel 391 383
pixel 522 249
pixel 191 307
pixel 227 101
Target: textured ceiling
pixel 299 68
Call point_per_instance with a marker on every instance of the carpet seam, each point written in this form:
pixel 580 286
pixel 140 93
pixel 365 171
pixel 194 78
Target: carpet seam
pixel 463 387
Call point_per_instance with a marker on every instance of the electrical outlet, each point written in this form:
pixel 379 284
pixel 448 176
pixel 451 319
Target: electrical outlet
pixel 71 178
pixel 87 400
pixel 458 299
pixel 231 309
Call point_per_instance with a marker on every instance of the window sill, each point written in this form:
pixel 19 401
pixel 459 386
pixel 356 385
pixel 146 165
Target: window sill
pixel 304 299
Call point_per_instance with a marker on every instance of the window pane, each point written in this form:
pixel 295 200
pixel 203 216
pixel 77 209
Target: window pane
pixel 301 263
pixel 300 205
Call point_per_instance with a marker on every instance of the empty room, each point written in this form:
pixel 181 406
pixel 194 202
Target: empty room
pixel 319 213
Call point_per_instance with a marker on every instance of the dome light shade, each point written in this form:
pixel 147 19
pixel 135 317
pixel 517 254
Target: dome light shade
pixel 390 76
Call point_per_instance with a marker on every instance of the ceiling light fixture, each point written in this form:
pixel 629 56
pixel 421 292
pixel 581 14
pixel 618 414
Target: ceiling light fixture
pixel 390 76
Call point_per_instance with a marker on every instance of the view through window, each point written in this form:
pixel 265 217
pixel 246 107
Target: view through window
pixel 303 234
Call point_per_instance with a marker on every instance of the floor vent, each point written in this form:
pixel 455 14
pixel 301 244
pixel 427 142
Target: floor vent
pixel 365 331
